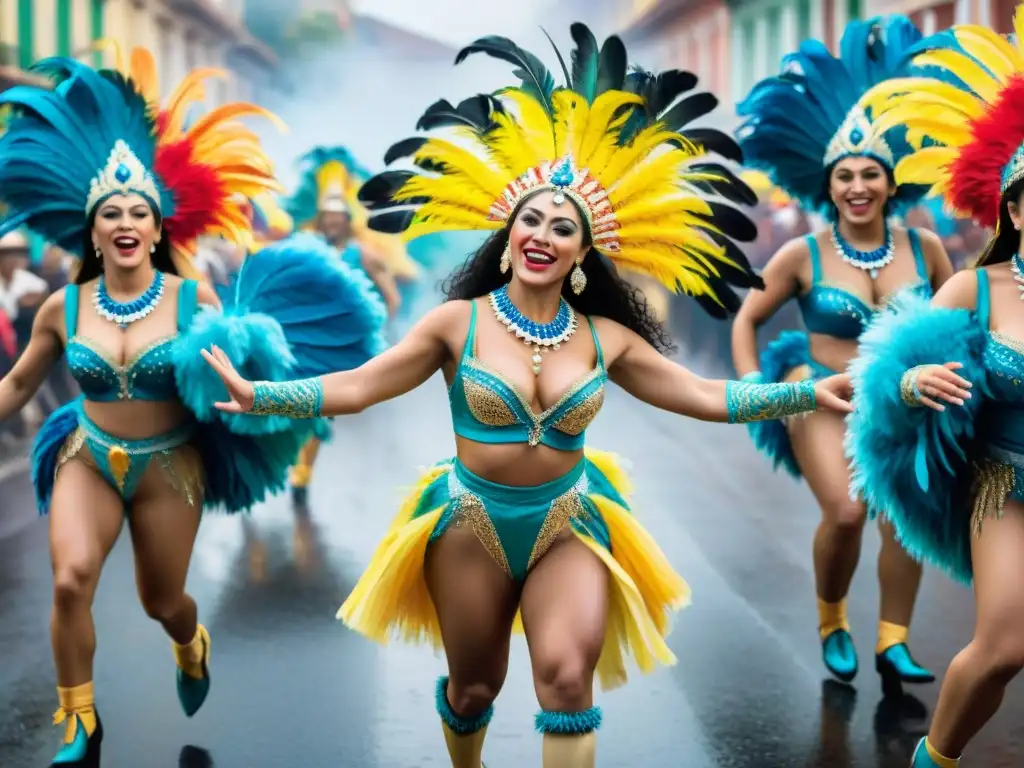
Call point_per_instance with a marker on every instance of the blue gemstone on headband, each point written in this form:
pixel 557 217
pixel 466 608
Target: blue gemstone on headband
pixel 123 173
pixel 563 176
pixel 856 136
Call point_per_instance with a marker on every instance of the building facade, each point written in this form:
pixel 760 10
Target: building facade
pixel 694 35
pixel 936 15
pixel 181 34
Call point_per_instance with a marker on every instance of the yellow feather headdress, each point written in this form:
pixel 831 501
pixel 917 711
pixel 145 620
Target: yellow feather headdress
pixel 964 115
pixel 615 143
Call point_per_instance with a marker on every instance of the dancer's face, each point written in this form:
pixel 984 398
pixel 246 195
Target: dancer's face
pixel 336 226
pixel 546 239
pixel 860 188
pixel 125 231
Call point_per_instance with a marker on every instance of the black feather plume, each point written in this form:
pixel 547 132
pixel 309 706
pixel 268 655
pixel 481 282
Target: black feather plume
pixel 404 148
pixel 558 53
pixel 475 112
pixel 731 186
pixel 715 141
pixel 391 222
pixel 688 110
pixel 584 61
pixel 537 78
pixel 731 222
pixel 611 66
pixel 381 189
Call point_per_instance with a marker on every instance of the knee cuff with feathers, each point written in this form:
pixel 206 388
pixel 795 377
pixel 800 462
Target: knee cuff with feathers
pixel 463 726
pixel 569 723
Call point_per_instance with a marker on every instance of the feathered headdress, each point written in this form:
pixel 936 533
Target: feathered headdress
pixel 617 143
pixel 330 180
pixel 970 98
pixel 798 124
pixel 103 133
pixel 269 221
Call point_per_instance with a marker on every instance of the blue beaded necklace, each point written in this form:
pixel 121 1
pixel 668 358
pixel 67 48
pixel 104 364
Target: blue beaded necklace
pixel 541 336
pixel 125 313
pixel 870 261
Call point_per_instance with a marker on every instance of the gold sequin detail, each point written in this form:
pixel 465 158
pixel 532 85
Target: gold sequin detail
pixel 577 419
pixel 183 468
pixel 566 507
pixel 486 406
pixel 993 482
pixel 747 402
pixel 908 382
pixel 470 511
pixel 72 445
pixel 1008 341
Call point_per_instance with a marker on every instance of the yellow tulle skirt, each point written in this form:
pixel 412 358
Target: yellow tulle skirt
pixel 391 598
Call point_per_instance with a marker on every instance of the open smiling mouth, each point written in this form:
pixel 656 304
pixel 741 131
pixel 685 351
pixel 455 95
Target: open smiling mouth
pixel 126 245
pixel 537 258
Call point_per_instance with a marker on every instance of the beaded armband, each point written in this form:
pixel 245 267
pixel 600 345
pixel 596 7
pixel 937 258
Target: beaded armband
pixel 909 392
pixel 748 402
pixel 301 399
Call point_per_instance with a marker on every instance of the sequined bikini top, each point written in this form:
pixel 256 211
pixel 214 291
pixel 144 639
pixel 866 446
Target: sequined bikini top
pixel 835 311
pixel 148 375
pixel 487 408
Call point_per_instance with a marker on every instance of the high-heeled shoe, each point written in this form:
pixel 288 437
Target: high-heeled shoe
pixel 83 751
pixel 928 758
pixel 840 655
pixel 897 666
pixel 192 691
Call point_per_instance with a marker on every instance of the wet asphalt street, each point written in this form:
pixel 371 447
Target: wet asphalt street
pixel 292 688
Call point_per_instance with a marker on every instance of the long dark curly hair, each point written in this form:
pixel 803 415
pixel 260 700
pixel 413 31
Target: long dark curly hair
pixel 90 266
pixel 1006 241
pixel 606 294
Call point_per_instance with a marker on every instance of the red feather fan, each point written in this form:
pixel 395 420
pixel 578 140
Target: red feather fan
pixel 976 175
pixel 196 188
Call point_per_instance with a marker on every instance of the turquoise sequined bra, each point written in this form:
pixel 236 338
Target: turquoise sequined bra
pixel 148 375
pixel 834 311
pixel 487 408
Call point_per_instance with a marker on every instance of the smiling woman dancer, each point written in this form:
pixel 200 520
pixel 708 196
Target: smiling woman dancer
pixel 96 166
pixel 525 528
pixel 951 475
pixel 805 129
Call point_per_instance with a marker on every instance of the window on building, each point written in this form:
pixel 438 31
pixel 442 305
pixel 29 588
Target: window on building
pixel 803 19
pixel 26 34
pixel 853 9
pixel 773 42
pixel 63 19
pixel 747 54
pixel 96 28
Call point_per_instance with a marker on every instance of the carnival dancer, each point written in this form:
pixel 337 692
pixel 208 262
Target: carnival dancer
pixel 805 129
pixel 524 528
pixel 99 169
pixel 326 202
pixel 937 441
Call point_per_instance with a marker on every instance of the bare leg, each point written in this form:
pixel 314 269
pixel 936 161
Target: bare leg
pixel 818 445
pixel 476 604
pixel 565 614
pixel 977 677
pixel 163 526
pixel 899 577
pixel 86 515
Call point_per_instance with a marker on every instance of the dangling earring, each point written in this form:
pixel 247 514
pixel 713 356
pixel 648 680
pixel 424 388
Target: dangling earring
pixel 578 280
pixel 99 253
pixel 506 259
pixel 152 248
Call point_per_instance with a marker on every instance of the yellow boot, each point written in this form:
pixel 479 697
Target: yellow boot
pixel 83 731
pixel 464 736
pixel 570 738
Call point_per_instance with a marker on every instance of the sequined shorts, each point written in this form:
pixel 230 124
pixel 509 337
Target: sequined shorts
pixel 998 478
pixel 517 525
pixel 123 463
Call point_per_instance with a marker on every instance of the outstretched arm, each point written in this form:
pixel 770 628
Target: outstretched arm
pixel 401 369
pixel 649 376
pixel 43 350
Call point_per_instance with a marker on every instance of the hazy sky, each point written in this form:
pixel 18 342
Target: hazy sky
pixel 456 21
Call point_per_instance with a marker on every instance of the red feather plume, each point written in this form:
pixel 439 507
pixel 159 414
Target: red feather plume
pixel 197 190
pixel 975 177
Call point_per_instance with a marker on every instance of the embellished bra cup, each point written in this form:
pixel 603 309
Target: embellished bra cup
pixel 1004 359
pixel 835 311
pixel 495 402
pixel 148 375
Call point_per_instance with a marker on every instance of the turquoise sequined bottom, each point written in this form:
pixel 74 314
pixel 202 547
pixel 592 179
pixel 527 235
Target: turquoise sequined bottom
pixel 124 462
pixel 517 524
